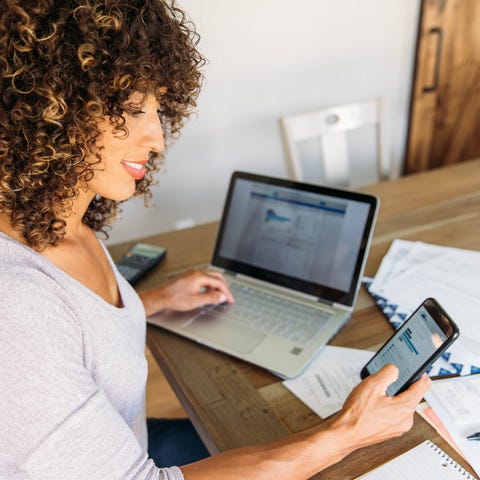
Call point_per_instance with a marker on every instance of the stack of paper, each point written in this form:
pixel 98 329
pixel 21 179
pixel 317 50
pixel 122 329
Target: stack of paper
pixel 456 402
pixel 413 271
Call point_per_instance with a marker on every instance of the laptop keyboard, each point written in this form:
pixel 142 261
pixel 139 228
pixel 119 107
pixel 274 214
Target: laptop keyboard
pixel 275 315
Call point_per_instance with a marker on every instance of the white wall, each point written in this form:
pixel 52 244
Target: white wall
pixel 269 58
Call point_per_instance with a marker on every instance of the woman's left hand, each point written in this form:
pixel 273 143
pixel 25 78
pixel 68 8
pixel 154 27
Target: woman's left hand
pixel 187 291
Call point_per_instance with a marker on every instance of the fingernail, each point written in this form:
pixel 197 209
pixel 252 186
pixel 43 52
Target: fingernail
pixel 222 298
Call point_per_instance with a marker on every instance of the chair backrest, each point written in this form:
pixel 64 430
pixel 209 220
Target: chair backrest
pixel 331 126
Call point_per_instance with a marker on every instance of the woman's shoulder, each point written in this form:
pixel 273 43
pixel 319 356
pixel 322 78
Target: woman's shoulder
pixel 32 290
pixel 13 252
pixel 21 266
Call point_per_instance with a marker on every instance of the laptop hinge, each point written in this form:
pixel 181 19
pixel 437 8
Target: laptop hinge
pixel 342 307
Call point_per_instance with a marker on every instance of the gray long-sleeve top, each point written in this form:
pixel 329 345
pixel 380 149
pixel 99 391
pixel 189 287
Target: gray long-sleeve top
pixel 72 376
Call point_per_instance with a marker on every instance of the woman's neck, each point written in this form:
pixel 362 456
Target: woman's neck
pixel 75 229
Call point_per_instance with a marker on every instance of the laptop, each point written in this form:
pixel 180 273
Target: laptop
pixel 293 254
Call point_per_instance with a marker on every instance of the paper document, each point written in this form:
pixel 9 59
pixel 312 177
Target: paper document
pixel 329 379
pixel 456 401
pixel 413 271
pixel 428 414
pixel 426 461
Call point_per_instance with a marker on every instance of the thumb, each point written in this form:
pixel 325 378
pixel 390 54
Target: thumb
pixel 418 389
pixel 386 376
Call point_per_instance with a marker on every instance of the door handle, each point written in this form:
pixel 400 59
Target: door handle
pixel 438 53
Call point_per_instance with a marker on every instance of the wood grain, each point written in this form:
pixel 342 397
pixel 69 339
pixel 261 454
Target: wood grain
pixel 233 403
pixel 444 119
pixel 220 394
pixel 161 401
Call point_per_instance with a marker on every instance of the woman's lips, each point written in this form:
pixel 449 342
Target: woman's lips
pixel 136 169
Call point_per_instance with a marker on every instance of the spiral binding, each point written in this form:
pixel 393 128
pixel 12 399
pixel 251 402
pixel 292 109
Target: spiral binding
pixel 448 461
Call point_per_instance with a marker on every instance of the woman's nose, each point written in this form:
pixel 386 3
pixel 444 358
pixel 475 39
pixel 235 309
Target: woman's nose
pixel 153 136
pixel 156 137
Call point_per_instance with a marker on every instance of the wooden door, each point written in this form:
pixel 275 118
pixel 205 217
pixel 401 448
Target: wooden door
pixel 445 107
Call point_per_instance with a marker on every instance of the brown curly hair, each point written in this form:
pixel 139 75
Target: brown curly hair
pixel 65 65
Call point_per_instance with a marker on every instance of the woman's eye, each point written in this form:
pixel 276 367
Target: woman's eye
pixel 136 113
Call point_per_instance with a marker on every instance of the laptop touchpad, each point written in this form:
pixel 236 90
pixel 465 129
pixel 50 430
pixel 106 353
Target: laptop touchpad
pixel 223 332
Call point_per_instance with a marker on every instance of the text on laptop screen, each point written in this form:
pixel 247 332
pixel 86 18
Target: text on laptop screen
pixel 294 233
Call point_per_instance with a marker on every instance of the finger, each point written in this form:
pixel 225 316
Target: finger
pixel 215 297
pixel 385 376
pixel 217 283
pixel 211 297
pixel 214 273
pixel 417 390
pixel 218 275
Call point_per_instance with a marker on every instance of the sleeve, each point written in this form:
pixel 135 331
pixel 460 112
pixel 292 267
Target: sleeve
pixel 56 422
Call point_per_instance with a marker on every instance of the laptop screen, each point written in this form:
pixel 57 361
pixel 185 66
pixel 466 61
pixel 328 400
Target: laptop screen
pixel 306 237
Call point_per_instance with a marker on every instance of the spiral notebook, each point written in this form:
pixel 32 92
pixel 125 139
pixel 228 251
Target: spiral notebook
pixel 426 461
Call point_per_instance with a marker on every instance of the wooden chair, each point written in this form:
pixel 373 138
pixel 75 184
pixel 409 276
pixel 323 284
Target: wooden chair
pixel 333 126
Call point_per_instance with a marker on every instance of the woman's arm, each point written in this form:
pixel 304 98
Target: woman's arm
pixel 369 416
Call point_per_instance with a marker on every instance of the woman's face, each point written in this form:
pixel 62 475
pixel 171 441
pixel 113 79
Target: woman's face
pixel 124 157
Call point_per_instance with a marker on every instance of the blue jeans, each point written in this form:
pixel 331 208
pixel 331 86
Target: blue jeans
pixel 174 442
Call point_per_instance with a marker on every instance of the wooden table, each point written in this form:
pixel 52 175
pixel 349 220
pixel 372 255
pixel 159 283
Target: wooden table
pixel 232 403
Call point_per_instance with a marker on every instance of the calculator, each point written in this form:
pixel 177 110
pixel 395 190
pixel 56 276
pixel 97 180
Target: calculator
pixel 139 260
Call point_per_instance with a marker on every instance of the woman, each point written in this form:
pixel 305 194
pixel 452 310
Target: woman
pixel 89 89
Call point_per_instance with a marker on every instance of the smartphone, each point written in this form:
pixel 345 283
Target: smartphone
pixel 139 260
pixel 424 336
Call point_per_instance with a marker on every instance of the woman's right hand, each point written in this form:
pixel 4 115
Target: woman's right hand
pixel 371 416
pixel 368 416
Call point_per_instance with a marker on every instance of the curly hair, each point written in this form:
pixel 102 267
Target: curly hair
pixel 64 66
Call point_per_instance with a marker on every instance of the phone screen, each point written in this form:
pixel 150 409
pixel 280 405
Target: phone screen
pixel 415 345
